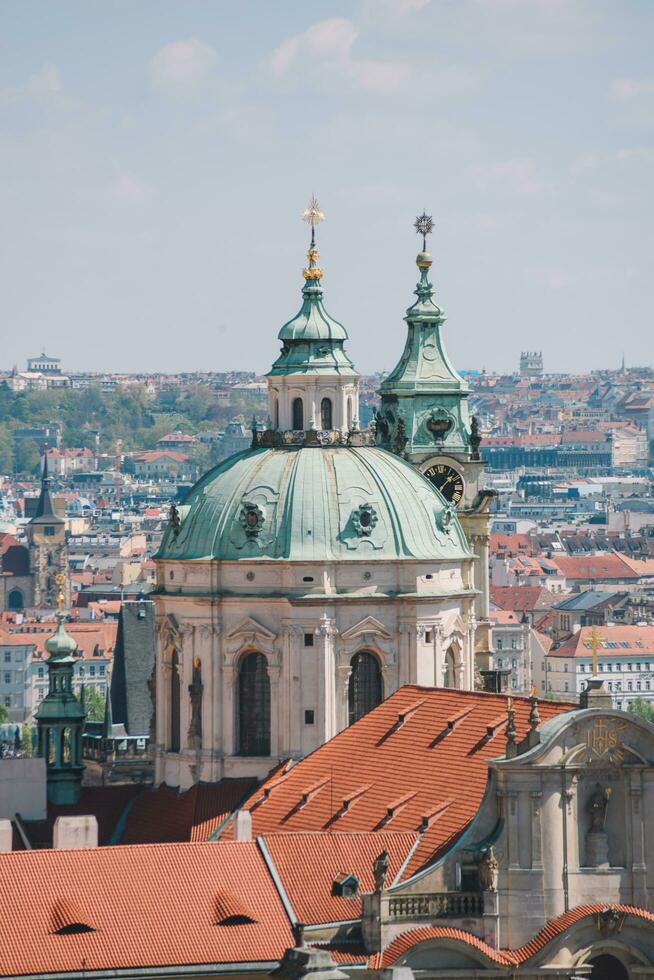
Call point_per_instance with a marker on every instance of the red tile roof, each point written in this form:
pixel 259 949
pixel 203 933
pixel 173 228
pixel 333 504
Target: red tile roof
pixel 615 641
pixel 147 906
pixel 88 636
pixel 438 755
pixel 165 815
pixel 309 863
pixel 511 544
pixel 595 568
pixel 407 940
pixel 521 598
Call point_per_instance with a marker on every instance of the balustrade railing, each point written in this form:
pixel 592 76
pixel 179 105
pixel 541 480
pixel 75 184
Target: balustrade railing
pixel 441 905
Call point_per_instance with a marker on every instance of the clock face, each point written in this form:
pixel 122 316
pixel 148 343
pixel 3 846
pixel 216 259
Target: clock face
pixel 446 479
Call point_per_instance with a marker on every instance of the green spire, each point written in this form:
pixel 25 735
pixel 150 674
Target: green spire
pixel 424 394
pixel 312 340
pixel 60 716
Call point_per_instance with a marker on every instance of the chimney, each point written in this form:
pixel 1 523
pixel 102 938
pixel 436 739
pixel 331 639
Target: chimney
pixel 6 835
pixel 243 825
pixel 75 832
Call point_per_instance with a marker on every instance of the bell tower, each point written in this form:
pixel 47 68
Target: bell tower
pixel 425 417
pixel 48 549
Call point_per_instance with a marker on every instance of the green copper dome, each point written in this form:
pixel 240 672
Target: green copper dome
pixel 313 342
pixel 314 504
pixel 60 644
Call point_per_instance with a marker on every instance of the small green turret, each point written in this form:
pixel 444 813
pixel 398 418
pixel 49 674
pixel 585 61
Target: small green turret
pixel 60 716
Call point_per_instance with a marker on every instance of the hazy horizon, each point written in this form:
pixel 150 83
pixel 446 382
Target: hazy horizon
pixel 156 156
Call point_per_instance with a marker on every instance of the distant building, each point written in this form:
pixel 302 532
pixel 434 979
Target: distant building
pixel 44 364
pixel 236 438
pixel 531 364
pixel 625 662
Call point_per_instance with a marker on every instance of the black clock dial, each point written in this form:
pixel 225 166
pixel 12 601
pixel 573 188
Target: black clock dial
pixel 446 479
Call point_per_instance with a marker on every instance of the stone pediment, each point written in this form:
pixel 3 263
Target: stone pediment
pixel 369 625
pixel 592 738
pixel 249 629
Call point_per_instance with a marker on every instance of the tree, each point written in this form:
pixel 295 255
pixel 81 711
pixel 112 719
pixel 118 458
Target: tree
pixel 94 704
pixel 642 709
pixel 26 741
pixel 4 715
pixel 6 451
pixel 28 457
pixel 552 696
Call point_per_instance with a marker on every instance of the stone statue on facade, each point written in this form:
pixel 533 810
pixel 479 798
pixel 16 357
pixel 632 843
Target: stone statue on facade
pixel 400 437
pixel 475 436
pixel 380 870
pixel 599 803
pixel 597 840
pixel 488 867
pixel 175 519
pixel 195 689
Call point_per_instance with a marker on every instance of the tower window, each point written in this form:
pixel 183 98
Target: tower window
pixel 309 716
pixel 364 687
pixel 298 414
pixel 49 531
pixel 253 708
pixel 326 413
pixel 308 639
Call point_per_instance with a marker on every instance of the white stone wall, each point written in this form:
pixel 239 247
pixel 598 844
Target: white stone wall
pixel 416 618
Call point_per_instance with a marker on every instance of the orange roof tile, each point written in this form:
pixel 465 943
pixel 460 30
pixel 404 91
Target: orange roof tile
pixel 151 906
pixel 615 641
pixel 308 864
pixel 595 568
pixel 428 756
pixel 510 957
pixel 165 815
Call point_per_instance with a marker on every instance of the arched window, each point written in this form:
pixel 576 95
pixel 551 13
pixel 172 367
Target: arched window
pixel 364 687
pixel 298 414
pixel 174 735
pixel 15 600
pixel 253 706
pixel 450 668
pixel 326 413
pixel 349 413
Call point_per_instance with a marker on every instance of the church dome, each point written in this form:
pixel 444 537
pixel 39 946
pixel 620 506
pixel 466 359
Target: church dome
pixel 314 504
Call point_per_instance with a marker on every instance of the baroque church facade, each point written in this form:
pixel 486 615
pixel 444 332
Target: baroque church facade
pixel 304 580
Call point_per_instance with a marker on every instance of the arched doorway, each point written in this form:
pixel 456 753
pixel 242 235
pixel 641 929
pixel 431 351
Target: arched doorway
pixel 174 733
pixel 15 600
pixel 607 967
pixel 253 708
pixel 364 687
pixel 326 414
pixel 298 414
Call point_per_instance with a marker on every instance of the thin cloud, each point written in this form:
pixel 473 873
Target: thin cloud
pixel 625 89
pixel 45 85
pixel 323 54
pixel 181 68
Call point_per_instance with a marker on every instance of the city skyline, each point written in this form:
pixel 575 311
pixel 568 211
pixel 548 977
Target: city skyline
pixel 156 161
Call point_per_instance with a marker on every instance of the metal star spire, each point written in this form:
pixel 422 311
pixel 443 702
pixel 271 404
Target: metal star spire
pixel 424 225
pixel 313 216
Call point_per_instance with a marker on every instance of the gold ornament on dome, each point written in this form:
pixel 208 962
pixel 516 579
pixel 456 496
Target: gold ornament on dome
pixel 60 580
pixel 313 216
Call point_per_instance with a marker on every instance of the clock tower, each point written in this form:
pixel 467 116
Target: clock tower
pixel 425 417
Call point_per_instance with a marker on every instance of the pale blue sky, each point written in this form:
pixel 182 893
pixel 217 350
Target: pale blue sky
pixel 155 156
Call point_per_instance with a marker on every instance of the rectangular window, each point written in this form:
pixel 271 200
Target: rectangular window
pixel 8 701
pixel 7 678
pixel 49 532
pixel 499 662
pixel 428 636
pixel 309 716
pixel 41 692
pixel 101 670
pixel 7 656
pixel 514 684
pixel 92 670
pixel 513 644
pixel 40 673
pixel 630 686
pixel 514 663
pixel 499 643
pixel 308 639
pixel 566 686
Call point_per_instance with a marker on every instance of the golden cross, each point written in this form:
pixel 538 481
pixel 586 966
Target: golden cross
pixel 595 643
pixel 60 579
